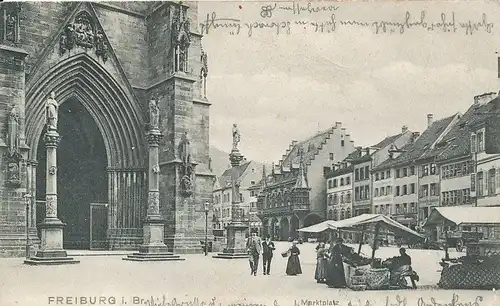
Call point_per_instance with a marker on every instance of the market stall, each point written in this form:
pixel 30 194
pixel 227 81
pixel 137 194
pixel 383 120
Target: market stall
pixel 371 274
pixel 480 267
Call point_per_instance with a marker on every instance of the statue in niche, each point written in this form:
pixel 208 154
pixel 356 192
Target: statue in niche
pixel 101 49
pixel 13 173
pixel 185 149
pixel 13 131
pixel 187 167
pixel 51 112
pixel 236 137
pixel 154 114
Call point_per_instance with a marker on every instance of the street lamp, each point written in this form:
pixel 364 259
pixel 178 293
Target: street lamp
pixel 207 207
pixel 27 198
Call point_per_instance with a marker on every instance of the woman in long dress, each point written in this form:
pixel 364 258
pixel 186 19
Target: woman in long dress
pixel 335 267
pixel 321 262
pixel 293 265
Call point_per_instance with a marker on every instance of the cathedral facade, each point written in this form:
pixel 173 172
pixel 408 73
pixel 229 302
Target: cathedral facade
pixel 104 65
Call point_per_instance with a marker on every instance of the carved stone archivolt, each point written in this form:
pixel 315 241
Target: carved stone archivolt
pixel 83 32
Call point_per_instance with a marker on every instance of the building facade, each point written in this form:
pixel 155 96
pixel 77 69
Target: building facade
pixel 248 176
pixel 339 189
pixel 104 64
pixel 294 194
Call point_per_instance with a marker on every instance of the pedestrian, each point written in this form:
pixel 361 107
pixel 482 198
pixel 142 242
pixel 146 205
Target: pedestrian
pixel 321 262
pixel 254 248
pixel 267 254
pixel 293 265
pixel 335 267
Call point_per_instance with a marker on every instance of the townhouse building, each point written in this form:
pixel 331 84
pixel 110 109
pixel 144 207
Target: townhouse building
pixel 339 190
pixel 294 194
pixel 405 167
pixel 248 175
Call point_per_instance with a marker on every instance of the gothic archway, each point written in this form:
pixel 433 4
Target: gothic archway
pixel 284 229
pixel 119 122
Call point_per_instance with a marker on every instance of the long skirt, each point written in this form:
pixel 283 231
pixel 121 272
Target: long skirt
pixel 335 275
pixel 321 272
pixel 293 265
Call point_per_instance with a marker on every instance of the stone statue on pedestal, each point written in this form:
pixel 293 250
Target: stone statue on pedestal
pixel 13 131
pixel 236 137
pixel 51 112
pixel 154 114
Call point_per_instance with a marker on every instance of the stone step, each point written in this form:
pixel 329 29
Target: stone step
pixel 231 255
pixel 39 261
pixel 153 257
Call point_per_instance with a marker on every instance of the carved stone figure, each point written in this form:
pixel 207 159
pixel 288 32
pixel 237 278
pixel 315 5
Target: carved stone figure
pixel 185 149
pixel 51 111
pixel 154 114
pixel 101 49
pixel 187 186
pixel 236 137
pixel 51 206
pixel 13 172
pixel 13 131
pixel 156 169
pixel 52 170
pixel 153 202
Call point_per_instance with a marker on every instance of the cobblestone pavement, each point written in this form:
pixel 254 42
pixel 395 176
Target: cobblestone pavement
pixel 202 279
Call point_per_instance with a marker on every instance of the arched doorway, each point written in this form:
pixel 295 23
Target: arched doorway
pixel 275 227
pixel 294 226
pixel 81 177
pixel 285 229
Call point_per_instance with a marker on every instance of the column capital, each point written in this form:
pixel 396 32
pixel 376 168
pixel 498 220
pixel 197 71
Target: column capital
pixel 154 137
pixel 52 139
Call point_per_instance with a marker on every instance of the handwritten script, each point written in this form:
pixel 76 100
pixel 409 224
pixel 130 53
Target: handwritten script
pixel 455 301
pixel 285 19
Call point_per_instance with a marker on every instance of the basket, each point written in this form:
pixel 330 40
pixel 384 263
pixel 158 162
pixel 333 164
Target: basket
pixel 284 254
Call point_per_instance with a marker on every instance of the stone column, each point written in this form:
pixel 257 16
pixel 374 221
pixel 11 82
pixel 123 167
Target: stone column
pixel 153 247
pixel 51 249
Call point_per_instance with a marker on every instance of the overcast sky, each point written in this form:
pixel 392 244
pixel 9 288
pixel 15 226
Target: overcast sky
pixel 278 88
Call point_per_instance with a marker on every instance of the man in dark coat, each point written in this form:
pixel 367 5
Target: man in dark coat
pixel 254 249
pixel 267 254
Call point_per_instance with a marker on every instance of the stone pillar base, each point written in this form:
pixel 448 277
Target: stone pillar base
pixel 153 248
pixel 236 246
pixel 185 244
pixel 51 251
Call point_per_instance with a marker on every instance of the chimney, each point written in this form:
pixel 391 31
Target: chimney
pixel 430 120
pixel 404 129
pixel 294 142
pixel 484 98
pixel 338 125
pixel 414 136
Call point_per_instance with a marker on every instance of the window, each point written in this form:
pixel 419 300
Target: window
pixel 405 172
pixel 348 180
pixel 412 170
pixel 342 181
pixel 348 197
pixel 382 175
pixel 480 141
pixel 388 174
pixel 361 174
pixel 473 182
pixel 425 170
pixel 434 189
pixel 388 190
pixel 356 175
pixel 377 176
pixel 342 143
pixel 397 208
pixel 480 184
pixel 367 172
pixel 382 191
pixel 330 183
pixel 334 183
pixel 331 156
pixel 413 208
pixel 330 199
pixel 367 192
pixel 376 209
pixel 405 190
pixel 397 173
pixel 433 169
pixel 356 193
pixel 412 188
pixel 491 182
pixel 473 143
pixel 405 208
pixel 376 192
pixel 252 182
pixel 397 190
pixel 342 198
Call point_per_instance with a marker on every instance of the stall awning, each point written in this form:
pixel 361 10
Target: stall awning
pixel 464 215
pixel 317 228
pixel 368 219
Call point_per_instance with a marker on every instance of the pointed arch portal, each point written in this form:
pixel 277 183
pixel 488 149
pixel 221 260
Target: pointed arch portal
pixel 101 156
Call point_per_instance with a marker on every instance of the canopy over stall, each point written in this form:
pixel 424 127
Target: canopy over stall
pixel 378 220
pixel 317 228
pixel 460 215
